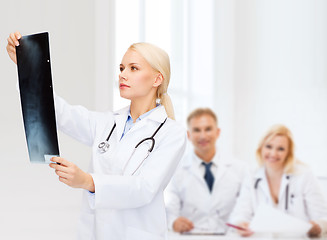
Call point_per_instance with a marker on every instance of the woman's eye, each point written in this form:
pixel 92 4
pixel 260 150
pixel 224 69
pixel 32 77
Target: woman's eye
pixel 121 69
pixel 281 149
pixel 268 146
pixel 133 68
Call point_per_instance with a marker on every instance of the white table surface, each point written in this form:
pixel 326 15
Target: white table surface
pixel 231 236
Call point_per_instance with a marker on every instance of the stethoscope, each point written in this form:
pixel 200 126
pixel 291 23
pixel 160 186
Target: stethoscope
pixel 287 190
pixel 104 146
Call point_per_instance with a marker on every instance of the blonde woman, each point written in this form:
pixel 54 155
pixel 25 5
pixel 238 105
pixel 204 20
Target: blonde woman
pixel 123 198
pixel 281 182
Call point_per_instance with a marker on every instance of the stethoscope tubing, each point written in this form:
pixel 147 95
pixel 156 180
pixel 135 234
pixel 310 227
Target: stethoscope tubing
pixel 104 146
pixel 112 130
pixel 287 190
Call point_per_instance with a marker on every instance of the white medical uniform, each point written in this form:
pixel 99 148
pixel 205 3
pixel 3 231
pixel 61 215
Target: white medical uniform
pixel 124 206
pixel 300 195
pixel 188 195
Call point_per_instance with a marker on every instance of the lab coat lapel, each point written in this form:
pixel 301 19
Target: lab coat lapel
pixel 222 167
pixel 120 119
pixel 282 191
pixel 194 170
pixel 158 115
pixel 263 184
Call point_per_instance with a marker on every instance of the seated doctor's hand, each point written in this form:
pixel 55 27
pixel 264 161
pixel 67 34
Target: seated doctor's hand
pixel 247 232
pixel 182 224
pixel 315 231
pixel 72 175
pixel 11 46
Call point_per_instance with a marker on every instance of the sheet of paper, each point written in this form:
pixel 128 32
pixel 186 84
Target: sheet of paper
pixel 270 220
pixel 36 95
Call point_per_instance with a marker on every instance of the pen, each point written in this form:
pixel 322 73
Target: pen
pixel 237 227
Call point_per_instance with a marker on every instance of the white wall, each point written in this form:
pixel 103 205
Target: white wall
pixel 260 62
pixel 223 72
pixel 33 203
pixel 281 77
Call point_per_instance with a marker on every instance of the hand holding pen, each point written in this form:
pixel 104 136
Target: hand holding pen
pixel 242 229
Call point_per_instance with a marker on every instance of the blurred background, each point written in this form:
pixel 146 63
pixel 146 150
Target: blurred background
pixel 254 62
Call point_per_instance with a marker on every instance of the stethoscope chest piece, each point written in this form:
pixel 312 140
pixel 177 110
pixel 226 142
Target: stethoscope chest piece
pixel 103 146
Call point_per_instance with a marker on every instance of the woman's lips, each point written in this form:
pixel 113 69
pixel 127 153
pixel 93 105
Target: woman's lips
pixel 122 86
pixel 270 159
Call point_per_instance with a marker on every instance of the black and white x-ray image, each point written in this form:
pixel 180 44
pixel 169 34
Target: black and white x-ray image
pixel 36 94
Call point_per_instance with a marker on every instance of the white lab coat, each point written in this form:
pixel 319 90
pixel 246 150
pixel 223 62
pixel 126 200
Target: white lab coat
pixel 188 195
pixel 124 207
pixel 305 199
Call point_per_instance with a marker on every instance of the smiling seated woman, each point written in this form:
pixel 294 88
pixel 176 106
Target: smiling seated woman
pixel 281 182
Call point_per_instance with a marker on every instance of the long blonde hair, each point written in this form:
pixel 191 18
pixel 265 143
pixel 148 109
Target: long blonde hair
pixel 159 61
pixel 279 130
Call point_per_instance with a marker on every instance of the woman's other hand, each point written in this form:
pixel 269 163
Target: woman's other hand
pixel 11 46
pixel 72 175
pixel 315 231
pixel 247 232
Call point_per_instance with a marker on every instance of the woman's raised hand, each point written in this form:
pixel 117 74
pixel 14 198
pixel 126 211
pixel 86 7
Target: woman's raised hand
pixel 72 175
pixel 11 46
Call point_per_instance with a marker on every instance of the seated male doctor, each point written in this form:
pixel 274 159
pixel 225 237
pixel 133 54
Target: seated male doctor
pixel 204 189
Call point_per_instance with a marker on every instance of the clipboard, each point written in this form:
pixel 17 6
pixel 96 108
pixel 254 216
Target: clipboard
pixel 36 95
pixel 205 233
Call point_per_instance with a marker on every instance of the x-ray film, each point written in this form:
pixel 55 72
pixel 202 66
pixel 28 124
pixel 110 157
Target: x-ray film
pixel 36 95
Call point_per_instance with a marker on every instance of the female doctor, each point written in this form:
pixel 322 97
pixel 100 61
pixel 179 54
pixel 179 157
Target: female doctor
pixel 134 151
pixel 281 182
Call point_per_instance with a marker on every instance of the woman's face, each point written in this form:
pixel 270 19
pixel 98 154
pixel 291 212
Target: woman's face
pixel 137 78
pixel 274 152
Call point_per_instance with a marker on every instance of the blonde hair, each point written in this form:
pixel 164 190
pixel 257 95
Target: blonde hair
pixel 279 130
pixel 198 112
pixel 159 61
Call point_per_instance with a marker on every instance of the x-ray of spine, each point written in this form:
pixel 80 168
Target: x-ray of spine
pixel 35 84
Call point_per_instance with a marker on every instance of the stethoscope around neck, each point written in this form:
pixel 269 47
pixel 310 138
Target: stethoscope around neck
pixel 104 146
pixel 287 190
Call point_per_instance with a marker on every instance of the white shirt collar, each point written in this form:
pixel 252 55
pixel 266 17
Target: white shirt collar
pixel 158 114
pixel 199 161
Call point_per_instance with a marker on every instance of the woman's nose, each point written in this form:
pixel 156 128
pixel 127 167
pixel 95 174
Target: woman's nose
pixel 273 152
pixel 122 76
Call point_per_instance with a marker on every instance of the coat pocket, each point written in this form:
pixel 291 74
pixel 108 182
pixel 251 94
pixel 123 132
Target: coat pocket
pixel 137 234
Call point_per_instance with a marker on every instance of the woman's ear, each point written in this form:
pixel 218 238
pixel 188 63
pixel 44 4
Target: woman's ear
pixel 158 80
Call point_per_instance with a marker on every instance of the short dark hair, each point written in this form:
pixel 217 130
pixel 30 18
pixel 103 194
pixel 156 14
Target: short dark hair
pixel 198 112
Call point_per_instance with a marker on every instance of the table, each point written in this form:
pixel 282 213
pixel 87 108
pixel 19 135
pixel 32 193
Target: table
pixel 232 236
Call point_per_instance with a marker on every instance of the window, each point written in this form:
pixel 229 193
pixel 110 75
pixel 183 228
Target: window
pixel 167 25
